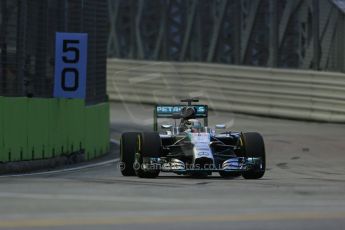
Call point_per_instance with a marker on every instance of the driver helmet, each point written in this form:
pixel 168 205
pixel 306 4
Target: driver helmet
pixel 195 125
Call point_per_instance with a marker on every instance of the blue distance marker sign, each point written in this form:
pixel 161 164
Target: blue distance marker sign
pixel 70 65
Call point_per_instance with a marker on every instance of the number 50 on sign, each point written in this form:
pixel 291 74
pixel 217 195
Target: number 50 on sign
pixel 70 65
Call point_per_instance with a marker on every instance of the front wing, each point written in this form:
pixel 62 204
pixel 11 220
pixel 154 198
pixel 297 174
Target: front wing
pixel 234 164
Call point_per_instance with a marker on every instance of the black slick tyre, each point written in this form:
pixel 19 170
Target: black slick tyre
pixel 149 145
pixel 128 149
pixel 254 147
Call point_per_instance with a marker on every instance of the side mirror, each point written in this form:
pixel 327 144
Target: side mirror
pixel 166 126
pixel 220 126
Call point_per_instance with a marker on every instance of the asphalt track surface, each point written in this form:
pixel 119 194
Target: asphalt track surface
pixel 303 188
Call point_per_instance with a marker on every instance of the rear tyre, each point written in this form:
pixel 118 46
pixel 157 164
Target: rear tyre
pixel 149 145
pixel 254 147
pixel 127 153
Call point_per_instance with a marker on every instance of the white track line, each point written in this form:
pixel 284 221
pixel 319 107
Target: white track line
pixel 64 170
pixel 69 169
pixel 115 141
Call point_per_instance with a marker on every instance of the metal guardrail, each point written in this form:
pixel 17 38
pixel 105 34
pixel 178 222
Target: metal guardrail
pixel 295 94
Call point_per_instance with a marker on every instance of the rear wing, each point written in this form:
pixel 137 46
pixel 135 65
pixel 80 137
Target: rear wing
pixel 167 111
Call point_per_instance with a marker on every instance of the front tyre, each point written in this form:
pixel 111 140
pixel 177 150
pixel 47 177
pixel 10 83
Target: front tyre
pixel 127 153
pixel 149 146
pixel 254 147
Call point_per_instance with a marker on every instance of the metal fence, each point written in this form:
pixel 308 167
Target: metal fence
pixel 303 34
pixel 27 44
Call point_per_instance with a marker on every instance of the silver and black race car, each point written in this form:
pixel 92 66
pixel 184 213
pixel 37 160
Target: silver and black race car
pixel 188 146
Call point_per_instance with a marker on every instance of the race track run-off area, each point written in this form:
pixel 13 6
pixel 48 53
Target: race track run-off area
pixel 303 187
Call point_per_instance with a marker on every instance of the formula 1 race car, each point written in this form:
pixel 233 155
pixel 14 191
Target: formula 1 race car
pixel 191 147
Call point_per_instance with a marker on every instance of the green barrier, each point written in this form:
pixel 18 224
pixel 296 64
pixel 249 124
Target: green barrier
pixel 97 130
pixel 36 128
pixel 15 129
pixel 2 156
pixel 56 128
pixel 76 125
